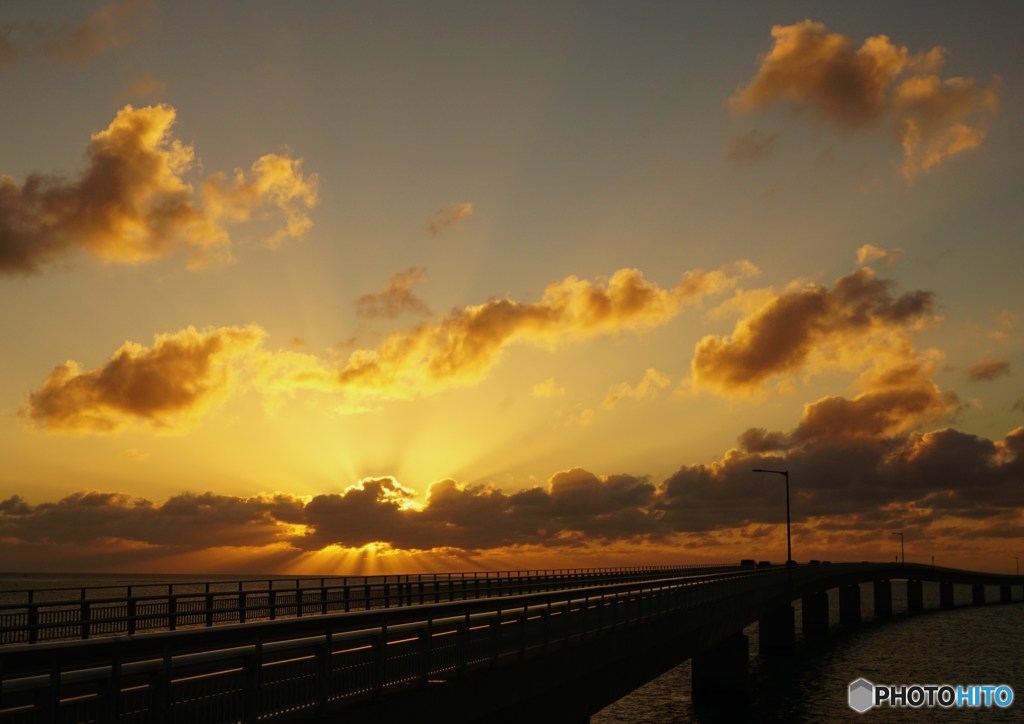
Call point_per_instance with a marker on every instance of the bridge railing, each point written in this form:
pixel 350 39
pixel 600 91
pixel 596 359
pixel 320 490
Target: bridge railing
pixel 50 614
pixel 277 669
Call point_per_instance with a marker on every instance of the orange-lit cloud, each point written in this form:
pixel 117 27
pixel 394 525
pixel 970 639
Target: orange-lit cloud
pixel 144 85
pixel 132 203
pixel 395 299
pixel 647 388
pixel 988 369
pixel 548 388
pixel 112 26
pixel 845 487
pixel 169 385
pixel 448 216
pixel 869 253
pixel 809 326
pixel 809 67
pixel 7 53
pixel 465 344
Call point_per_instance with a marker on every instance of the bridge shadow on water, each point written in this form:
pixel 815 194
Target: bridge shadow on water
pixel 970 645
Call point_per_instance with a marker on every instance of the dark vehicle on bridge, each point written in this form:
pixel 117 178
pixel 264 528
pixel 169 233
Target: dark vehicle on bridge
pixel 748 563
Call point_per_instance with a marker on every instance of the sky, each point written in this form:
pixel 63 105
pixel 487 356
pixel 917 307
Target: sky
pixel 325 288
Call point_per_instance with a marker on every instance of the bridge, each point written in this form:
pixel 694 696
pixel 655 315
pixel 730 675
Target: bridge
pixel 484 647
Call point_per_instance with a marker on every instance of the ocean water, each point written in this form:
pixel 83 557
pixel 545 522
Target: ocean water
pixel 970 645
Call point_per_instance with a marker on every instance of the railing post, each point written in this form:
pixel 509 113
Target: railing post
pixel 425 642
pixel 172 612
pixel 380 661
pixel 251 665
pixel 84 616
pixel 209 607
pixel 33 622
pixel 272 603
pixel 323 599
pixel 132 615
pixel 299 596
pixel 242 607
pixel 345 596
pixel 323 679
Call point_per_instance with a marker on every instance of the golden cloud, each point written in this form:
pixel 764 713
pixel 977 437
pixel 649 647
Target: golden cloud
pixel 465 344
pixel 168 385
pixel 806 327
pixel 647 388
pixel 132 204
pixel 395 299
pixel 851 88
pixel 177 380
pixel 448 216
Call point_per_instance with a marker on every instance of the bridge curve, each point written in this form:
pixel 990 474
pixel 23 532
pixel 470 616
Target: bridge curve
pixel 565 652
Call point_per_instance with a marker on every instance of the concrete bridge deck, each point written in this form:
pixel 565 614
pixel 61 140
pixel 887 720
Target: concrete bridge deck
pixel 562 654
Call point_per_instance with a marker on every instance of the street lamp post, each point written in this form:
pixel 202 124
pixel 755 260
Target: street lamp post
pixel 903 560
pixel 789 540
pixel 1017 559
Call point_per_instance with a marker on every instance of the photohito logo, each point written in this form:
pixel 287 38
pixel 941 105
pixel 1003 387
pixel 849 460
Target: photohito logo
pixel 864 695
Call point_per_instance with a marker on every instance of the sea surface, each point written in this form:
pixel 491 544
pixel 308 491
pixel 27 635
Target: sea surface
pixel 969 645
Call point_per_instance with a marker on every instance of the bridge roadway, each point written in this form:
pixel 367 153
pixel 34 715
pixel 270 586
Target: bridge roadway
pixel 556 655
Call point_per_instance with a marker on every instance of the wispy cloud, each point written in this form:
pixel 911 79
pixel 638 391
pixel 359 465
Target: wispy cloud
pixel 653 381
pixel 988 369
pixel 132 203
pixel 448 216
pixel 395 299
pixel 751 147
pixel 114 25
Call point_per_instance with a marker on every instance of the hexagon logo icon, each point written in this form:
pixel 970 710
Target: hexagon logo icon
pixel 862 695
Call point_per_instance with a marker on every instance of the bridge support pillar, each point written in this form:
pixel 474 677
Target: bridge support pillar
pixel 978 594
pixel 946 595
pixel 1004 594
pixel 883 598
pixel 776 631
pixel 720 673
pixel 849 604
pixel 915 596
pixel 815 613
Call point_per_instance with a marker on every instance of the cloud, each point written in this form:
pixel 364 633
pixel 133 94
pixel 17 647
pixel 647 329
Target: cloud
pixel 988 369
pixel 132 203
pixel 396 299
pixel 462 346
pixel 114 25
pixel 7 52
pixel 869 253
pixel 145 85
pixel 845 487
pixel 809 327
pixel 166 386
pixel 448 216
pixel 548 388
pixel 646 389
pixel 175 382
pixel 751 147
pixel 810 68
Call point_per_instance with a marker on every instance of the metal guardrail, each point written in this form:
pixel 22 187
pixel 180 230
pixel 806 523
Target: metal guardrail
pixel 50 614
pixel 272 670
